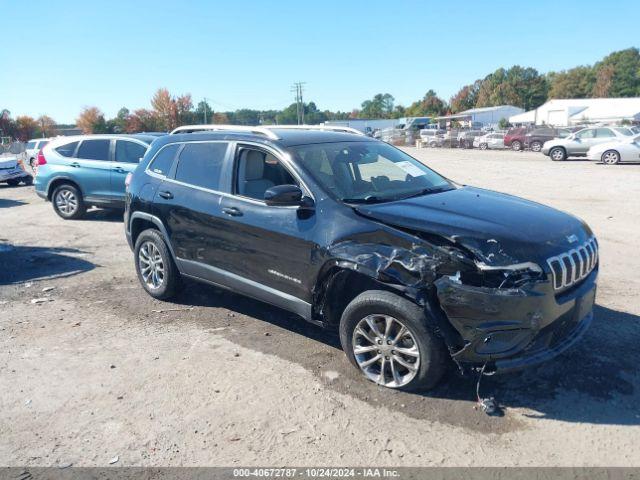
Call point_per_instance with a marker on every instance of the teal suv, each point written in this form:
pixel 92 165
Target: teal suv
pixel 75 173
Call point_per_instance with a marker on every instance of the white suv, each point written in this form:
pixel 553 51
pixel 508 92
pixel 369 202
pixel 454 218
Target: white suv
pixel 33 147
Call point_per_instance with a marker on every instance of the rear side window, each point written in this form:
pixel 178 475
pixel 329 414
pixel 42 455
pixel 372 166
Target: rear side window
pixel 164 159
pixel 94 149
pixel 67 149
pixel 200 164
pixel 604 132
pixel 129 152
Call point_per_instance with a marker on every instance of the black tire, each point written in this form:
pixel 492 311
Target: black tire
pixel 535 146
pixel 433 144
pixel 558 154
pixel 28 180
pixel 484 146
pixel 516 145
pixel 432 351
pixel 72 194
pixel 611 157
pixel 171 279
pixel 14 182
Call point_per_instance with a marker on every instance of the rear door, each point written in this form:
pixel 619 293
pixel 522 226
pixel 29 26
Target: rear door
pixel 92 167
pixel 127 155
pixel 585 139
pixel 188 200
pixel 604 135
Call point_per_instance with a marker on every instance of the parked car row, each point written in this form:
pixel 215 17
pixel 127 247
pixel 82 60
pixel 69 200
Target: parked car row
pixel 347 232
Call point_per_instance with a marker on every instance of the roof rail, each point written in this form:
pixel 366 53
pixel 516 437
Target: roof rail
pixel 232 128
pixel 334 128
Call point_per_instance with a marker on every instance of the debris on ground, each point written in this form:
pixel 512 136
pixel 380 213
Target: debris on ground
pixel 114 460
pixel 164 310
pixel 48 289
pixel 36 301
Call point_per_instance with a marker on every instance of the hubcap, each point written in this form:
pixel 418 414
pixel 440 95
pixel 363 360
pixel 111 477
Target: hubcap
pixel 535 147
pixel 386 351
pixel 151 265
pixel 557 154
pixel 66 202
pixel 610 157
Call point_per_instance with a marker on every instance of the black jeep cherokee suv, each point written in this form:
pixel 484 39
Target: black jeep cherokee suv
pixel 352 233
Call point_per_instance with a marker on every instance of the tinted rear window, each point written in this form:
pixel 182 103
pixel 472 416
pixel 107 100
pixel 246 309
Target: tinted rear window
pixel 200 164
pixel 129 152
pixel 164 159
pixel 94 149
pixel 67 149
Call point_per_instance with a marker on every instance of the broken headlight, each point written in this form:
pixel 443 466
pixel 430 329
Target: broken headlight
pixel 510 276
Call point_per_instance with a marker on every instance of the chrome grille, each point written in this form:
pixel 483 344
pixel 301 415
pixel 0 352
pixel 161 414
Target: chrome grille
pixel 570 267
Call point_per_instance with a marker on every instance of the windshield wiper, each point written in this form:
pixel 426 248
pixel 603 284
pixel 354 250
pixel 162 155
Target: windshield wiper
pixel 426 191
pixel 367 199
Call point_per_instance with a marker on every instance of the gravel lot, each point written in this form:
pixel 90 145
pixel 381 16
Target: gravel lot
pixel 100 370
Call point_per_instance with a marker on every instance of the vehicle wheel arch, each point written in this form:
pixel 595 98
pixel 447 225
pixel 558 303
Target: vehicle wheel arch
pixel 58 181
pixel 141 221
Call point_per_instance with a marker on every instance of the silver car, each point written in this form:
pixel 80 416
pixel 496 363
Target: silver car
pixel 610 153
pixel 579 143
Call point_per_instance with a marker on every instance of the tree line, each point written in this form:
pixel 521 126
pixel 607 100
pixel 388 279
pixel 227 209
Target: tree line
pixel 616 75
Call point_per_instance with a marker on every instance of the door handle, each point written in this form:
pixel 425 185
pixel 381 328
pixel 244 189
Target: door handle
pixel 166 194
pixel 74 165
pixel 119 170
pixel 233 211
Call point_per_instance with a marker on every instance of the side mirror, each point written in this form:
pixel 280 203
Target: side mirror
pixel 283 196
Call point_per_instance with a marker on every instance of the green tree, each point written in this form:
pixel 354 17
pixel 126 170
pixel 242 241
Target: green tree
pixel 466 97
pixel 618 74
pixel 577 82
pixel 522 87
pixel 380 106
pixel 204 112
pixel 430 106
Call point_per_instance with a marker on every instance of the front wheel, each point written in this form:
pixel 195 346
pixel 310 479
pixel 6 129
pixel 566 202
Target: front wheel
pixel 386 337
pixel 536 146
pixel 516 145
pixel 14 182
pixel 610 157
pixel 157 272
pixel 483 146
pixel 558 154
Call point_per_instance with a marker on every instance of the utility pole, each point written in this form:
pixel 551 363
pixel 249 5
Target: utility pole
pixel 205 109
pixel 299 101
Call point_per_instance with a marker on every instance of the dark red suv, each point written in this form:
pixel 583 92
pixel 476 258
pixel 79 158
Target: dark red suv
pixel 515 138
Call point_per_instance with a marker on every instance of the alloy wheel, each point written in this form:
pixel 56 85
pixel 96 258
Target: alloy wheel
pixel 66 202
pixel 517 146
pixel 557 154
pixel 386 350
pixel 151 265
pixel 536 147
pixel 610 157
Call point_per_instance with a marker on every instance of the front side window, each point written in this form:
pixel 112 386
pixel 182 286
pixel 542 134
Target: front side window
pixel 258 170
pixel 368 172
pixel 43 143
pixel 67 149
pixel 164 160
pixel 94 149
pixel 585 134
pixel 30 145
pixel 200 164
pixel 129 152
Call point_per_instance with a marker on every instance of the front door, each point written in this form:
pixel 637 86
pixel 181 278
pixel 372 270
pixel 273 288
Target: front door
pixel 127 155
pixel 272 245
pixel 585 139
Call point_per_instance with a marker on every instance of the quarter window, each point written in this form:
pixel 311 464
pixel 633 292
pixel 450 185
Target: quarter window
pixel 67 149
pixel 164 160
pixel 200 164
pixel 129 152
pixel 94 149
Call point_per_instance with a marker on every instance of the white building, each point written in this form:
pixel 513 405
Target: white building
pixel 576 111
pixel 480 117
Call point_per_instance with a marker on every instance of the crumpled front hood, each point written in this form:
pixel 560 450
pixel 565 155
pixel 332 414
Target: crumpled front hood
pixel 499 229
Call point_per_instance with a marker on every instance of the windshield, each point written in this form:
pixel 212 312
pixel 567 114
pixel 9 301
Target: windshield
pixel 368 172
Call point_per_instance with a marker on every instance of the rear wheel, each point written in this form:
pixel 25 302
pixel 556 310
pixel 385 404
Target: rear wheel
pixel 386 337
pixel 516 145
pixel 558 154
pixel 14 182
pixel 28 180
pixel 483 146
pixel 67 202
pixel 157 272
pixel 610 157
pixel 536 146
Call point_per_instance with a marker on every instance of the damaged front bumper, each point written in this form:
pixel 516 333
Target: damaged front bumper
pixel 510 329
